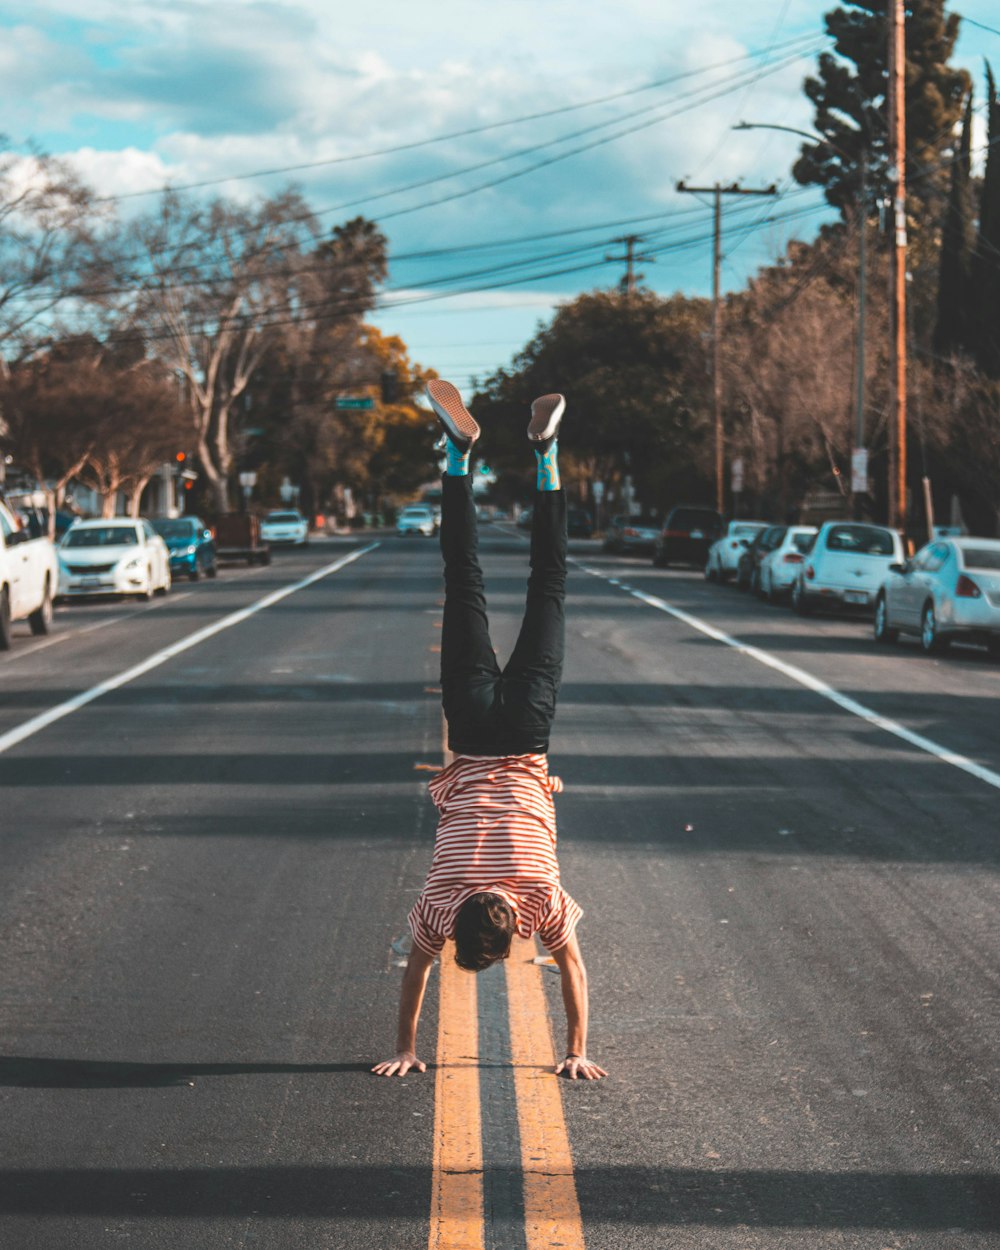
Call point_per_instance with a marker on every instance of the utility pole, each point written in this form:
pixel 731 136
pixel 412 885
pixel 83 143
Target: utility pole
pixel 629 261
pixel 718 191
pixel 859 351
pixel 896 92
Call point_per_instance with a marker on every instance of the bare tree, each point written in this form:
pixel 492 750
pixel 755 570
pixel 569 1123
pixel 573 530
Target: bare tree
pixel 216 285
pixel 109 419
pixel 49 249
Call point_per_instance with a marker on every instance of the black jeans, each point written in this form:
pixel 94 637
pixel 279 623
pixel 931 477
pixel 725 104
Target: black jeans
pixel 490 712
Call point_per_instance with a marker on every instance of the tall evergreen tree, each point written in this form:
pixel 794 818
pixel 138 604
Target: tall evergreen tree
pixel 986 266
pixel 954 329
pixel 849 97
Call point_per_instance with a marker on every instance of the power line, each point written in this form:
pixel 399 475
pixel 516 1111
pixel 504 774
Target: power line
pixel 459 134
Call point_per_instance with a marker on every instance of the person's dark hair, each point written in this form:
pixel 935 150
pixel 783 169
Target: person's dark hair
pixel 484 927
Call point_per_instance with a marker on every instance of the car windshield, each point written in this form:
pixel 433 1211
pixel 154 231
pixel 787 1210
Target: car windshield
pixel 860 540
pixel 981 557
pixel 283 518
pixel 803 542
pixel 175 529
pixel 103 536
pixel 738 531
pixel 642 522
pixel 416 512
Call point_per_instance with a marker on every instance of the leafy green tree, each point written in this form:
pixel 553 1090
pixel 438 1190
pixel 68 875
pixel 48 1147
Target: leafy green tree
pixel 633 369
pixel 848 93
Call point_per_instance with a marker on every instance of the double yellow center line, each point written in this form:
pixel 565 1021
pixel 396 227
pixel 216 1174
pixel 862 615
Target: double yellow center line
pixel 551 1208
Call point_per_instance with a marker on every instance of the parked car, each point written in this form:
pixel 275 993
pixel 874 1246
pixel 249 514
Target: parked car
pixel 113 557
pixel 950 590
pixel 846 567
pixel 190 544
pixel 238 537
pixel 285 526
pixel 415 518
pixel 629 534
pixel 748 565
pixel 579 523
pixel 686 535
pixel 724 554
pixel 780 566
pixel 29 578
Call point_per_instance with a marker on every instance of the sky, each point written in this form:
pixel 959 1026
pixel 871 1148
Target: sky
pixel 556 127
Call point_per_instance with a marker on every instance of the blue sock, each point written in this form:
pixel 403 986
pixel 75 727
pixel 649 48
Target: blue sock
pixel 547 474
pixel 457 460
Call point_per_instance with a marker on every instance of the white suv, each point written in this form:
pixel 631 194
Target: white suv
pixel 846 566
pixel 29 576
pixel 286 526
pixel 417 518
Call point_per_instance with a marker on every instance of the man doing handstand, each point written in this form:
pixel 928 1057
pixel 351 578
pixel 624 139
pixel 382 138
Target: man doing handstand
pixel 494 872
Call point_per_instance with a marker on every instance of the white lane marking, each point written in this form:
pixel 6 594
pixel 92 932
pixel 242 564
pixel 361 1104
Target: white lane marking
pixel 44 719
pixel 803 678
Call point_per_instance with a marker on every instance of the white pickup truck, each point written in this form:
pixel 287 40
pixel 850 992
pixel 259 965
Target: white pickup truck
pixel 29 576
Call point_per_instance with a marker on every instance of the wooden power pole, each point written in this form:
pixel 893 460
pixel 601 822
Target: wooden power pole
pixel 629 261
pixel 718 191
pixel 896 93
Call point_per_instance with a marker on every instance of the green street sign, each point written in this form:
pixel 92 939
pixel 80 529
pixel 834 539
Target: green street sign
pixel 351 402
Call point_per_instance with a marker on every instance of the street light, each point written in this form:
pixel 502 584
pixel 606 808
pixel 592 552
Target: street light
pixel 859 461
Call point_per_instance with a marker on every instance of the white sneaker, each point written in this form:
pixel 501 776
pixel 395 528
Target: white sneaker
pixel 546 414
pixel 455 417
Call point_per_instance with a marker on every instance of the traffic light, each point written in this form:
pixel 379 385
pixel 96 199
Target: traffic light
pixel 180 457
pixel 390 386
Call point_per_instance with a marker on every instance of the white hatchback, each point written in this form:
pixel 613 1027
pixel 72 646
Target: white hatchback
pixel 285 527
pixel 724 554
pixel 949 591
pixel 846 567
pixel 118 556
pixel 780 568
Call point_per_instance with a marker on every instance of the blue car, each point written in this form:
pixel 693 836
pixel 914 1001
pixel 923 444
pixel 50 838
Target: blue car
pixel 190 544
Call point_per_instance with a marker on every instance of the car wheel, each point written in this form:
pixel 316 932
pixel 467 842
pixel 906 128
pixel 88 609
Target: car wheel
pixel 195 573
pixel 755 583
pixel 5 636
pixel 41 619
pixel 164 589
pixel 711 573
pixel 931 642
pixel 880 627
pixel 799 601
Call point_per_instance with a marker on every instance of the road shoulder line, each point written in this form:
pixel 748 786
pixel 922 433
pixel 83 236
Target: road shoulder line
pixel 802 678
pixel 37 723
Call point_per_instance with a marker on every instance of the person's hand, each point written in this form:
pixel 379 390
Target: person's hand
pixel 400 1065
pixel 579 1067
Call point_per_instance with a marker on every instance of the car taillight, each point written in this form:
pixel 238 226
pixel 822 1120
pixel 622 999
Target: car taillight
pixel 810 572
pixel 966 588
pixel 735 546
pixel 629 531
pixel 675 533
pixel 793 557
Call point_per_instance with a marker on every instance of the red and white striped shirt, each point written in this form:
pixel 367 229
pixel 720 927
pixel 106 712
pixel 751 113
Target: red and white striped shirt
pixel 497 835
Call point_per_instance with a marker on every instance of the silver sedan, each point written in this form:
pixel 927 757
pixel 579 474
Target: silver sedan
pixel 950 590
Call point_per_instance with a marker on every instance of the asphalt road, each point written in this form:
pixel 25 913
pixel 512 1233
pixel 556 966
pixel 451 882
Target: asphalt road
pixel 791 921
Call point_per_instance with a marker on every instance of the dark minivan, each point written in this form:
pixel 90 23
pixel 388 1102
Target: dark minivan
pixel 686 536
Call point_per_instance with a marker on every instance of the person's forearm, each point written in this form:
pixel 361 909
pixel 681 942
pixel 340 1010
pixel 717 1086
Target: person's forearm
pixel 411 998
pixel 574 992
